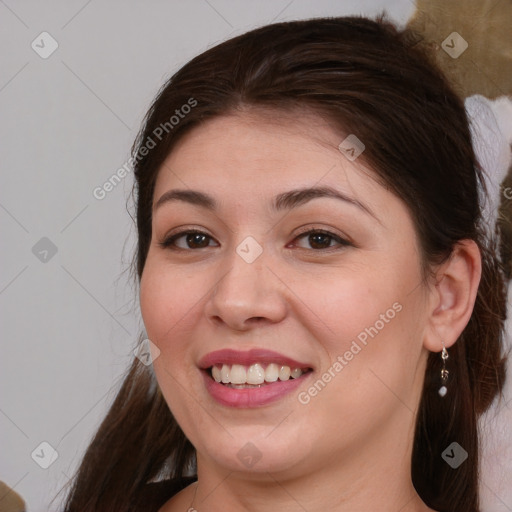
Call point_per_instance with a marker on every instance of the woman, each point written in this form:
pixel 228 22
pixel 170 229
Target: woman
pixel 324 309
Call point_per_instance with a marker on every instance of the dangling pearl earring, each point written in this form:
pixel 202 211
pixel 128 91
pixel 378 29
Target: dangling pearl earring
pixel 444 372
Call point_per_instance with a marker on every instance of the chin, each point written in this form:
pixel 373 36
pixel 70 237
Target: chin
pixel 259 451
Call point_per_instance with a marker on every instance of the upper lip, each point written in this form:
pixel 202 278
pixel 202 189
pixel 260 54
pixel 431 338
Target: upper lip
pixel 246 358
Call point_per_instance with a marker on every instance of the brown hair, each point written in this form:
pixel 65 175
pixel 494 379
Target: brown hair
pixel 368 78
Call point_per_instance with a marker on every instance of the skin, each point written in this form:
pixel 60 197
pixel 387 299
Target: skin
pixel 349 447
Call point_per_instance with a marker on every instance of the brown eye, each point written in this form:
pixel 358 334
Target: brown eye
pixel 192 240
pixel 319 239
pixel 196 240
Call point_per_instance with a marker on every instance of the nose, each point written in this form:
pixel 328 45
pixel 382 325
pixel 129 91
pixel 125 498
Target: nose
pixel 247 294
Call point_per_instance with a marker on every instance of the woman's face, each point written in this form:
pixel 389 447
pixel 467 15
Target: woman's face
pixel 345 304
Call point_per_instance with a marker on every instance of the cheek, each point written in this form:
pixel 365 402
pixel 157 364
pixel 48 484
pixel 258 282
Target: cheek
pixel 168 301
pixel 355 303
pixel 154 302
pixel 369 321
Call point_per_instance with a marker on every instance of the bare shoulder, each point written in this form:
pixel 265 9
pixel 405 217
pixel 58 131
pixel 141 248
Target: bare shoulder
pixel 180 501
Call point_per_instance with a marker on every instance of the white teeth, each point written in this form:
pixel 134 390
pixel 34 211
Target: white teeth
pixel 238 374
pixel 296 373
pixel 254 375
pixel 272 373
pixel 225 374
pixel 284 373
pixel 217 374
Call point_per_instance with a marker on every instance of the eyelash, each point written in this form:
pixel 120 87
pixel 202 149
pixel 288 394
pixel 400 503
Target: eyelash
pixel 169 242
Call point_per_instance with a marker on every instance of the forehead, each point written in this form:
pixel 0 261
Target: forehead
pixel 259 150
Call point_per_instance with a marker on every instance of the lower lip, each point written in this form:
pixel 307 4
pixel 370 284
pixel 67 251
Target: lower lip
pixel 251 397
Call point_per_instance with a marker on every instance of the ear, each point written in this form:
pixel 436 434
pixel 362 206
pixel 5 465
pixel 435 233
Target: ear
pixel 453 295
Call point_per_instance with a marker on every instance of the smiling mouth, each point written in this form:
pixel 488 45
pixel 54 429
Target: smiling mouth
pixel 256 375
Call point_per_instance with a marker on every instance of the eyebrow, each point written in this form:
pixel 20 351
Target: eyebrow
pixel 283 201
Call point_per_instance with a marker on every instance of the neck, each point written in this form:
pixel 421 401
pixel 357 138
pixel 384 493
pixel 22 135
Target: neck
pixel 379 479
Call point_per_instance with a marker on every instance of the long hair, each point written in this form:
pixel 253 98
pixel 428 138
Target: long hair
pixel 365 77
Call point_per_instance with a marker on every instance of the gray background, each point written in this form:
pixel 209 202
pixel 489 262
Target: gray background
pixel 70 323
